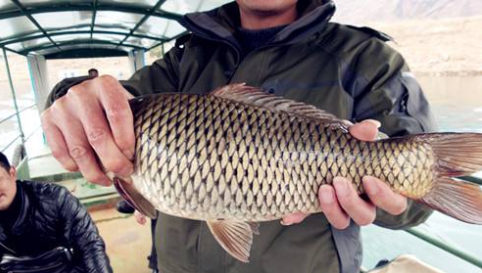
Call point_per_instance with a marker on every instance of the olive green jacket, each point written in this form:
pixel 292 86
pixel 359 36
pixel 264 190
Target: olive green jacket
pixel 344 70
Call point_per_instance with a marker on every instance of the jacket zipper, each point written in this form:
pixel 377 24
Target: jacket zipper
pixel 7 248
pixel 37 269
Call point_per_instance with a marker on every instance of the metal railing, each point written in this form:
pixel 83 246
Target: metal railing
pixel 20 136
pixel 445 246
pixel 11 143
pixel 17 112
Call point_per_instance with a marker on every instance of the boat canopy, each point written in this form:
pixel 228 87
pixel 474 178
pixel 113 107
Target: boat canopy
pixel 92 28
pixel 41 30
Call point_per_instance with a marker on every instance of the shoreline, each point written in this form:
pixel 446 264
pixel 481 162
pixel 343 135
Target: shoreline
pixel 448 73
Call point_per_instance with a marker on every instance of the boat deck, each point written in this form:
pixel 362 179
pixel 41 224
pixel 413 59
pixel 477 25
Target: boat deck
pixel 127 247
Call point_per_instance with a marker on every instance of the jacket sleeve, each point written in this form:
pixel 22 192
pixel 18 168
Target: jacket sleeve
pixel 388 92
pixel 82 235
pixel 61 88
pixel 161 76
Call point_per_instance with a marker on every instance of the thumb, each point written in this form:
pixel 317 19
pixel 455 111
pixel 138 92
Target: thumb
pixel 294 218
pixel 366 130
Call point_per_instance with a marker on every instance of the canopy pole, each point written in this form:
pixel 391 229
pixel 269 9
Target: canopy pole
pixel 136 60
pixel 14 97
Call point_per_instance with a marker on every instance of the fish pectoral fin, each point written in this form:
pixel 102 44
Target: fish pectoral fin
pixel 235 237
pixel 134 198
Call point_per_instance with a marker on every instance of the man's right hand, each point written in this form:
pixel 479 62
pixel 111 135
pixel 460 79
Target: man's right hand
pixel 93 118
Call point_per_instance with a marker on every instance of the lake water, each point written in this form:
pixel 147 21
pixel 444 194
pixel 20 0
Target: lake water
pixel 456 102
pixel 457 105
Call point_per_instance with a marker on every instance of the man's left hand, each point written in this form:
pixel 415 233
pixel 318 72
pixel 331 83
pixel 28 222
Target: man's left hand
pixel 340 202
pixel 140 218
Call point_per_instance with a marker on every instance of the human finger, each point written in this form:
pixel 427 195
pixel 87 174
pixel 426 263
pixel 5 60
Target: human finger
pixel 80 150
pixel 114 99
pixel 366 130
pixel 99 136
pixel 294 218
pixel 361 211
pixel 140 218
pixel 383 196
pixel 57 143
pixel 331 208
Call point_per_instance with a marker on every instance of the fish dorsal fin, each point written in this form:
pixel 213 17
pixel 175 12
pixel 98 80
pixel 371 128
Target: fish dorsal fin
pixel 134 198
pixel 240 92
pixel 235 237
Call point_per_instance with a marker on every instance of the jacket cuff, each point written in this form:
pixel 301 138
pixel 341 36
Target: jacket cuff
pixel 414 215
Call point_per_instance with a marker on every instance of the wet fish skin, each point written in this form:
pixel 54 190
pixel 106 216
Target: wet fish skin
pixel 240 156
pixel 202 157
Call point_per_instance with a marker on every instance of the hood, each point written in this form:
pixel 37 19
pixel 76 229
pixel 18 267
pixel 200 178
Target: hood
pixel 220 23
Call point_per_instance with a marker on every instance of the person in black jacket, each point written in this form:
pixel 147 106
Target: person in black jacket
pixel 37 217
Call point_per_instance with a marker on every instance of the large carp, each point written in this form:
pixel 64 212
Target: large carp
pixel 239 156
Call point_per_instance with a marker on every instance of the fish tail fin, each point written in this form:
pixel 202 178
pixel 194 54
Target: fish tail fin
pixel 459 199
pixel 456 154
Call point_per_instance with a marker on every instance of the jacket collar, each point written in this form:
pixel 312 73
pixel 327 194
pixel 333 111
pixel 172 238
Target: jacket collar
pixel 24 206
pixel 220 24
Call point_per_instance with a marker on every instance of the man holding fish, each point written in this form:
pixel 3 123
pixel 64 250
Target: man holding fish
pixel 291 50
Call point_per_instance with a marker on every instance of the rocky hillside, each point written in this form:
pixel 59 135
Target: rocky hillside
pixel 437 37
pixel 450 46
pixel 362 11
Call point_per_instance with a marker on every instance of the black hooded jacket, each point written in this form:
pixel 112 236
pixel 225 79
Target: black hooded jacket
pixel 48 217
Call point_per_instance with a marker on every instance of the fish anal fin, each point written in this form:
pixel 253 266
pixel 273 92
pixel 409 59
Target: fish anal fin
pixel 458 199
pixel 234 237
pixel 242 93
pixel 134 198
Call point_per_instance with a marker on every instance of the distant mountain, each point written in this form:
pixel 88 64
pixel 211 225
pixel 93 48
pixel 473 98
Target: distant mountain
pixel 362 11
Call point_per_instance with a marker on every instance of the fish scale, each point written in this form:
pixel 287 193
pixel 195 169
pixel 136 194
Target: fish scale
pixel 239 156
pixel 304 153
